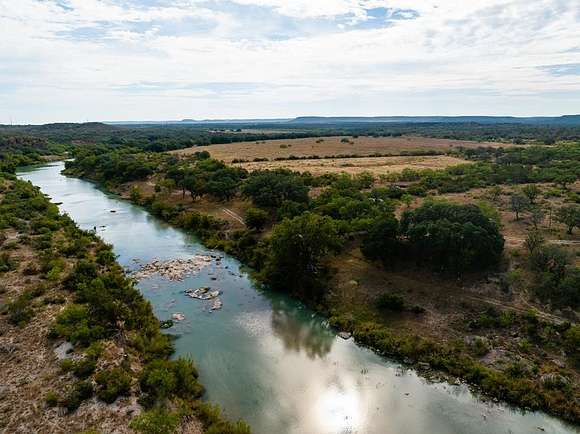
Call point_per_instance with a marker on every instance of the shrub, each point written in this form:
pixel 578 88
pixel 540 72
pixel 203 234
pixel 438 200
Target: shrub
pixel 394 302
pixel 256 218
pixel 6 263
pixel 51 399
pixel 84 368
pixel 156 421
pixel 81 391
pixel 20 311
pixel 73 324
pixel 162 379
pixel 112 383
pixel 212 419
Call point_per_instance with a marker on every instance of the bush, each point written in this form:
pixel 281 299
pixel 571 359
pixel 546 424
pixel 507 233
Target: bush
pixel 392 302
pixel 112 383
pixel 73 325
pixel 51 399
pixel 81 391
pixel 162 379
pixel 156 421
pixel 20 311
pixel 214 423
pixel 6 263
pixel 256 218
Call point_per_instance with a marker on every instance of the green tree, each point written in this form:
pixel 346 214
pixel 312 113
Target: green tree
pixel 519 204
pixel 269 189
pixel 382 241
pixel 298 248
pixel 531 191
pixel 564 179
pixel 569 215
pixel 256 218
pixel 453 237
pixel 534 240
pixel 196 185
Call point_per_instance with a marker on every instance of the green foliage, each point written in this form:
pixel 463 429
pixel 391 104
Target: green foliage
pixel 531 192
pixel 112 383
pixel 51 399
pixel 82 369
pixel 569 215
pixel 394 302
pixel 20 311
pixel 269 189
pixel 256 218
pixel 550 259
pixel 6 263
pixel 156 421
pixel 298 247
pixel 382 241
pixel 214 423
pixel 80 391
pixel 74 325
pixel 453 238
pixel 162 379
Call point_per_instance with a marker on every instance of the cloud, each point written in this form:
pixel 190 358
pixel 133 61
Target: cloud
pixel 127 59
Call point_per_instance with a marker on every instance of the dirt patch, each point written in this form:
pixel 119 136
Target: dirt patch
pixel 374 165
pixel 334 146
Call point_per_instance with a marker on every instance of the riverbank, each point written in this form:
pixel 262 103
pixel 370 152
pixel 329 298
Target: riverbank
pixel 82 348
pixel 534 381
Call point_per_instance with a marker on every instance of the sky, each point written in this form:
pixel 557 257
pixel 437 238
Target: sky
pixel 99 60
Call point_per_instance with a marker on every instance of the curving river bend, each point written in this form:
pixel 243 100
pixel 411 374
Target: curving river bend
pixel 265 357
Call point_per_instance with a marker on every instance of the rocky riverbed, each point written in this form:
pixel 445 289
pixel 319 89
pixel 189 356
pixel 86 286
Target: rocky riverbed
pixel 174 270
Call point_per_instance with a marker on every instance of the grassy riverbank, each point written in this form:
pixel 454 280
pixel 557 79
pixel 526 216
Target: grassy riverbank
pixel 83 348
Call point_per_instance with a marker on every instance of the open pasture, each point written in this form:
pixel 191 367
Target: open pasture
pixel 335 146
pixel 374 165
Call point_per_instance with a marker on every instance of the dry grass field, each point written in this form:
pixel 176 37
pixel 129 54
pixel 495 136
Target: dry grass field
pixel 330 146
pixel 374 165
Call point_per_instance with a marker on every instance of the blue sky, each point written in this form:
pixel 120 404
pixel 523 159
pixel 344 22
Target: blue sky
pixel 78 60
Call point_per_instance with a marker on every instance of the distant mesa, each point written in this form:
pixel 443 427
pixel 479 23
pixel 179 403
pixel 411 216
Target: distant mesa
pixel 314 120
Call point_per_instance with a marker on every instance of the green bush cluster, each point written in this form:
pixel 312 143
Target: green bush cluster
pixel 112 383
pixel 163 379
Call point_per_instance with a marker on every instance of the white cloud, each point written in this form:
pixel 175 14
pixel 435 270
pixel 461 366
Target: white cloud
pixel 480 56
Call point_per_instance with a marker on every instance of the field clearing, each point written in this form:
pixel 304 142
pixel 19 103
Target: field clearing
pixel 374 165
pixel 334 146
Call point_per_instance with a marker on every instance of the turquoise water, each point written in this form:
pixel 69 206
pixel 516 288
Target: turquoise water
pixel 265 357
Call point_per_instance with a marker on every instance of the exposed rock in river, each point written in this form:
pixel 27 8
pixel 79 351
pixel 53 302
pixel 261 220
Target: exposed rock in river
pixel 178 316
pixel 204 293
pixel 174 270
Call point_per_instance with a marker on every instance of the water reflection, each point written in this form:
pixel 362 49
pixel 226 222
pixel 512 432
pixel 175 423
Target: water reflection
pixel 298 331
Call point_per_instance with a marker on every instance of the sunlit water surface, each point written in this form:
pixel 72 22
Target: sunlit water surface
pixel 265 357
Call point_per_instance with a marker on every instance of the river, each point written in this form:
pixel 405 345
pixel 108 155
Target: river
pixel 265 357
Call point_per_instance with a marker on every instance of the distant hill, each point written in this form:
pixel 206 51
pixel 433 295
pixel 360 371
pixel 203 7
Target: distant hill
pixel 570 120
pixel 203 122
pixel 561 120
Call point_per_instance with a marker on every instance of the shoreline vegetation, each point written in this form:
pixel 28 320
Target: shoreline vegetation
pixel 62 288
pixel 289 233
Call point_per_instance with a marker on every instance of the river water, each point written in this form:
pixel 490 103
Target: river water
pixel 265 357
